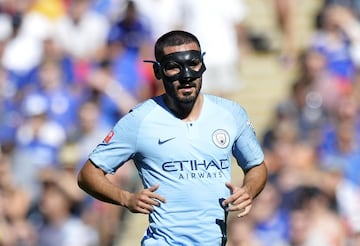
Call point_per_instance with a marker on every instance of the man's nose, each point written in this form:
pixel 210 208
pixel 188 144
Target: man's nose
pixel 187 75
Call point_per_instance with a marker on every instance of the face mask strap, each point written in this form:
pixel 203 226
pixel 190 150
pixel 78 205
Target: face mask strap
pixel 156 68
pixel 202 56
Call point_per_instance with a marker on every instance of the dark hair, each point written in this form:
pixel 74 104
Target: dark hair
pixel 173 38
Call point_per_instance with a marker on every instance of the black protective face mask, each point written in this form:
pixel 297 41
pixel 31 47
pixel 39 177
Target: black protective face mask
pixel 181 66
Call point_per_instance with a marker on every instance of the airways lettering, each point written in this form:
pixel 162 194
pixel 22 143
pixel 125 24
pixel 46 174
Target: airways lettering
pixel 201 175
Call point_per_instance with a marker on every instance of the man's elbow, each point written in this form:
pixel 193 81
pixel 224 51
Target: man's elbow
pixel 81 180
pixel 82 177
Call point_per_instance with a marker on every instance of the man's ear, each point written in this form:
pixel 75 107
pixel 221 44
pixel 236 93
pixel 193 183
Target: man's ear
pixel 157 72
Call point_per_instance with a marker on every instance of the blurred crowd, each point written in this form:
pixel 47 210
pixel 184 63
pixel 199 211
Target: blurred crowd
pixel 312 145
pixel 70 68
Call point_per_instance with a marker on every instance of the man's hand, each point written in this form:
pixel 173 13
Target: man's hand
pixel 144 200
pixel 240 200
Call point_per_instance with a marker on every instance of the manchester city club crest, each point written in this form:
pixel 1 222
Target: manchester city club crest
pixel 221 138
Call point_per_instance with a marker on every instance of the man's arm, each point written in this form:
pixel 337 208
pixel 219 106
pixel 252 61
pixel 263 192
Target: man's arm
pixel 93 181
pixel 241 198
pixel 255 180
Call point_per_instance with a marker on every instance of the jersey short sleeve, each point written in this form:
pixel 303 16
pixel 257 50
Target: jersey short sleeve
pixel 120 144
pixel 246 148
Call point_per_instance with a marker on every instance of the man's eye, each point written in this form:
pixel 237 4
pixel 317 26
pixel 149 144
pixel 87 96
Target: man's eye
pixel 195 62
pixel 171 69
pixel 170 66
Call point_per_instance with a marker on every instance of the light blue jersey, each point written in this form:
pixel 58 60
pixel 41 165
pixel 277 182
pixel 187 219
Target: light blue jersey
pixel 191 161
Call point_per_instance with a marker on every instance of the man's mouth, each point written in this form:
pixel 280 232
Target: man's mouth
pixel 186 84
pixel 186 88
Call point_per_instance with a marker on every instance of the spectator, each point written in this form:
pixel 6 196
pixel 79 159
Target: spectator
pixel 91 129
pixel 129 41
pixel 114 99
pixel 62 103
pixel 22 52
pixel 337 39
pixel 219 22
pixel 241 232
pixel 81 33
pixel 15 205
pixel 313 221
pixel 340 136
pixel 285 11
pixel 38 141
pixel 270 218
pixel 313 72
pixel 304 107
pixel 60 225
pixel 130 31
pixel 10 113
pixel 169 15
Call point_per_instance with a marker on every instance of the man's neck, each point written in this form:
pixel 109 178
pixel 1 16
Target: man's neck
pixel 186 111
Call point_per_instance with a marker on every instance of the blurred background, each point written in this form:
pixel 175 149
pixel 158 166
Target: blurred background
pixel 69 69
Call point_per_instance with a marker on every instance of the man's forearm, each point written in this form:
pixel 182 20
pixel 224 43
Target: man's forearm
pixel 255 179
pixel 93 181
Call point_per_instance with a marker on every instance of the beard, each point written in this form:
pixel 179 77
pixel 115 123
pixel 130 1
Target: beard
pixel 186 97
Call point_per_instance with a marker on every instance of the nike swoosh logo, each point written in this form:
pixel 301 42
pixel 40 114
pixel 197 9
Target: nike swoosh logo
pixel 164 141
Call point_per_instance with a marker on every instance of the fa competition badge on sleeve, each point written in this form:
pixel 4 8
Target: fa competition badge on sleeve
pixel 221 138
pixel 109 137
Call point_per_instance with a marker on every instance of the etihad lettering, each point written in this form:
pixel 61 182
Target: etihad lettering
pixel 195 165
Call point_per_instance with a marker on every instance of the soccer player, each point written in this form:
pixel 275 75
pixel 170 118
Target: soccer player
pixel 182 143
